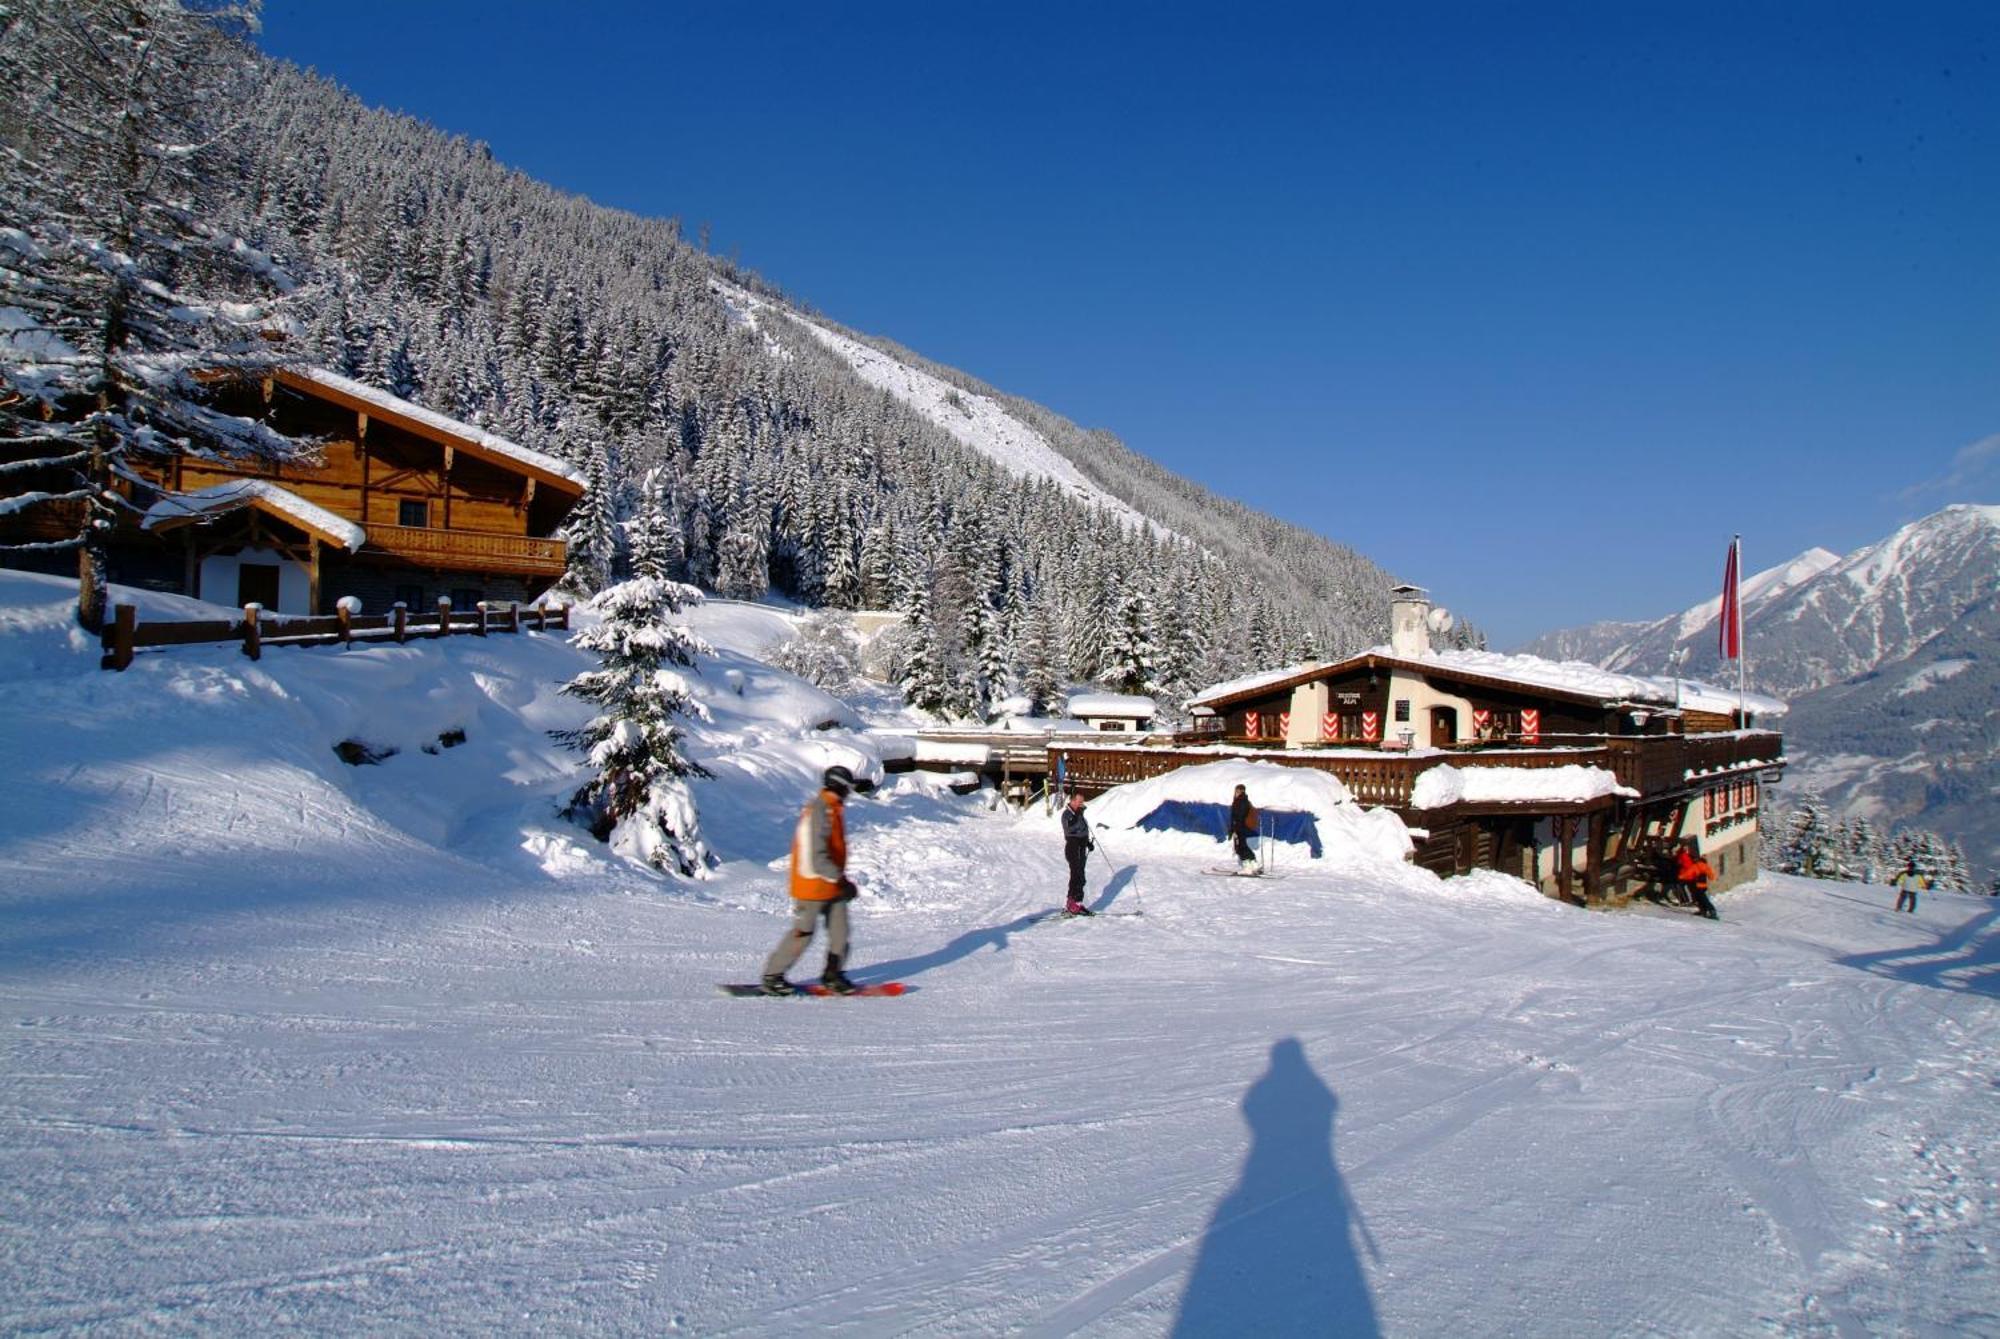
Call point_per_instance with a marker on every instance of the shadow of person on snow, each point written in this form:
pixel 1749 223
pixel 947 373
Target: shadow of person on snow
pixel 1278 1254
pixel 1967 958
pixel 995 937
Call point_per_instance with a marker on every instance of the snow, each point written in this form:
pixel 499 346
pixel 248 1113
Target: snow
pixel 1442 787
pixel 1930 676
pixel 1122 705
pixel 1374 839
pixel 1719 699
pixel 291 1045
pixel 491 443
pixel 223 497
pixel 1568 676
pixel 1765 585
pixel 974 420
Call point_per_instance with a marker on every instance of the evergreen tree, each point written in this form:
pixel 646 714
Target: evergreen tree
pixel 824 652
pixel 589 531
pixel 122 292
pixel 1041 672
pixel 638 799
pixel 653 535
pixel 1129 654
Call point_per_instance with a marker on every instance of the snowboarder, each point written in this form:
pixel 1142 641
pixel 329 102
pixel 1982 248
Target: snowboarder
pixel 1243 829
pixel 1694 872
pixel 1077 845
pixel 820 888
pixel 1906 884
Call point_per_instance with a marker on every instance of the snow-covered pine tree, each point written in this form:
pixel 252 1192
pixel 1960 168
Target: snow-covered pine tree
pixel 639 799
pixel 1041 666
pixel 1129 652
pixel 590 530
pixel 121 287
pixel 653 535
pixel 824 651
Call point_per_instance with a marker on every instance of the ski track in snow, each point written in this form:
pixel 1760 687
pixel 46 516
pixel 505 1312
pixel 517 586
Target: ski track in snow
pixel 286 1045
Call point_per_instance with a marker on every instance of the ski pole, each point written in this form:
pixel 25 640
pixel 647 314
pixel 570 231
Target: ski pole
pixel 1138 908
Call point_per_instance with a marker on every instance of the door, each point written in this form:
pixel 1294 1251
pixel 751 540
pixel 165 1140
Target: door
pixel 257 583
pixel 1444 726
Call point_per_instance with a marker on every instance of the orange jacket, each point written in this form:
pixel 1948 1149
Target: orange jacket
pixel 819 849
pixel 1691 868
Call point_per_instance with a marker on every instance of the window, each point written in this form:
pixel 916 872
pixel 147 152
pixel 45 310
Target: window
pixel 413 512
pixel 410 597
pixel 1402 709
pixel 465 597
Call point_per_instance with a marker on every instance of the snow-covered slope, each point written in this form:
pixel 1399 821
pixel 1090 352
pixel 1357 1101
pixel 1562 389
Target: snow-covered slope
pixel 290 1045
pixel 975 420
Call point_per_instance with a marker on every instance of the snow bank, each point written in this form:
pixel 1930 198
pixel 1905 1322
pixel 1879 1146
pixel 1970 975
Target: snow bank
pixel 1349 833
pixel 1444 786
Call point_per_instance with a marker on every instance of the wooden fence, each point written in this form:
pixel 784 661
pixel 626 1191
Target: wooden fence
pixel 125 635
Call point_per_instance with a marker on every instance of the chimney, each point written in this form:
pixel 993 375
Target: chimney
pixel 1409 621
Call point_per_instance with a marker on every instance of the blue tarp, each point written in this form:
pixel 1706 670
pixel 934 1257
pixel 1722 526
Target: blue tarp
pixel 1285 825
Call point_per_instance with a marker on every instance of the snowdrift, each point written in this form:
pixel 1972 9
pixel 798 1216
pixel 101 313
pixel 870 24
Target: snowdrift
pixel 1306 809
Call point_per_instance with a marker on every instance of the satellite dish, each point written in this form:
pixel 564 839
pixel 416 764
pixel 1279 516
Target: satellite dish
pixel 1440 621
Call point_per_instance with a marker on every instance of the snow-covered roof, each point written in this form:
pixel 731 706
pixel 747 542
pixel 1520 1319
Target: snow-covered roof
pixel 264 496
pixel 1698 696
pixel 1441 787
pixel 1572 678
pixel 1118 705
pixel 477 440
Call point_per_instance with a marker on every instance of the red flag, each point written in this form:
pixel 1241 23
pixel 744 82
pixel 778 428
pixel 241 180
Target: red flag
pixel 1730 633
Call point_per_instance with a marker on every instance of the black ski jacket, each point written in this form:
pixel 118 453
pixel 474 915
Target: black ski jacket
pixel 1076 832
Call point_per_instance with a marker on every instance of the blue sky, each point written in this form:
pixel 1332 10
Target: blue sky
pixel 1533 304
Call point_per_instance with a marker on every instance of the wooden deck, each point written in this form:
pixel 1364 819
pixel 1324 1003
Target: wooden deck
pixel 467 550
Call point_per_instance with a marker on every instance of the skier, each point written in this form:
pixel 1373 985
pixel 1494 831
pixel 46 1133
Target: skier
pixel 1077 845
pixel 1906 884
pixel 1694 873
pixel 820 888
pixel 1243 829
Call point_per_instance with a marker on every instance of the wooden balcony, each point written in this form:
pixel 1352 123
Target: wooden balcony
pixel 1658 767
pixel 466 550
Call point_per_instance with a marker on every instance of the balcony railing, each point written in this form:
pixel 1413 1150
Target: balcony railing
pixel 469 550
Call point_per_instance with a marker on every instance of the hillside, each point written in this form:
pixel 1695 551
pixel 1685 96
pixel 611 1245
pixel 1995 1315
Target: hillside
pixel 1889 657
pixel 778 449
pixel 293 1044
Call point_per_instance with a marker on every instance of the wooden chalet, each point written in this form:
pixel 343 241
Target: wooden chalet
pixel 401 505
pixel 1572 778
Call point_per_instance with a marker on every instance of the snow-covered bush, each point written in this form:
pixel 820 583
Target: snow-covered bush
pixel 825 652
pixel 638 799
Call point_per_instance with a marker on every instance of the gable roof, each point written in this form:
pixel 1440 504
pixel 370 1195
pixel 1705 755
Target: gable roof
pixel 1569 680
pixel 428 423
pixel 177 509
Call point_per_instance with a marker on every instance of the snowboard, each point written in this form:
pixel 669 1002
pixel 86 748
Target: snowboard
pixel 810 990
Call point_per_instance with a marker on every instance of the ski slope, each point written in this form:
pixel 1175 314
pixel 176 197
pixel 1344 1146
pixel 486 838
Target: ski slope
pixel 294 1045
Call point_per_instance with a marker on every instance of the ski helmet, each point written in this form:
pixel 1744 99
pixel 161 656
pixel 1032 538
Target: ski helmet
pixel 837 779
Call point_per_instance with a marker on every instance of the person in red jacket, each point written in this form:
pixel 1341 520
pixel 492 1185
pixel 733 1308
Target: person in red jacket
pixel 821 889
pixel 1693 874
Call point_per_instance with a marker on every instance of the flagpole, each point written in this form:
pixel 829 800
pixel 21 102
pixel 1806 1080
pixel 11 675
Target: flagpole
pixel 1742 648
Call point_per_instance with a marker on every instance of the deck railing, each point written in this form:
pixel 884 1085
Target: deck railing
pixel 125 635
pixel 1653 766
pixel 488 552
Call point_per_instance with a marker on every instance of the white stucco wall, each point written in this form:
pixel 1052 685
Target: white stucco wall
pixel 218 579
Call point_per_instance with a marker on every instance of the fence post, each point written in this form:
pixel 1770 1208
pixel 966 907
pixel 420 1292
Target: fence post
pixel 402 622
pixel 346 617
pixel 117 639
pixel 481 630
pixel 541 618
pixel 444 616
pixel 253 642
pixel 513 616
pixel 562 617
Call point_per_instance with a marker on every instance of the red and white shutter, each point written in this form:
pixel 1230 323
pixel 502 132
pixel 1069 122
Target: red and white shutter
pixel 1251 721
pixel 1481 719
pixel 1284 725
pixel 1371 725
pixel 1531 725
pixel 1329 725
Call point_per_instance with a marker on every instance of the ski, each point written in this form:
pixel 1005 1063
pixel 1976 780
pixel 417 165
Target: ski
pixel 1229 872
pixel 809 990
